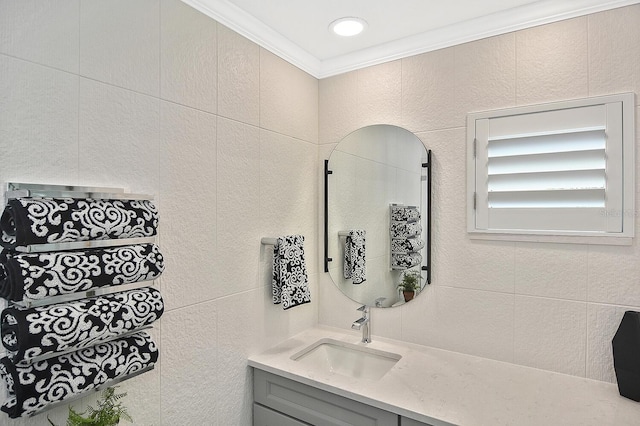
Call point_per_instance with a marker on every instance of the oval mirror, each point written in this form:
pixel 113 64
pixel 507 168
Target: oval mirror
pixel 377 224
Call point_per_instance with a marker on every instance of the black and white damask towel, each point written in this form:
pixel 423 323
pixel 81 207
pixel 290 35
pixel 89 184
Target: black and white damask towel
pixel 406 260
pixel 31 277
pixel 290 283
pixel 409 214
pixel 405 229
pixel 34 387
pixel 41 331
pixel 406 245
pixel 354 256
pixel 28 221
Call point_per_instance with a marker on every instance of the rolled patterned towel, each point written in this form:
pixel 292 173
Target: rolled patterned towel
pixel 34 387
pixel 34 332
pixel 406 260
pixel 27 221
pixel 409 214
pixel 407 245
pixel 31 277
pixel 405 229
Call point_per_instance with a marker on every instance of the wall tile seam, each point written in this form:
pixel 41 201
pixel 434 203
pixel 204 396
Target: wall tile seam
pixel 29 61
pixel 535 296
pixel 274 132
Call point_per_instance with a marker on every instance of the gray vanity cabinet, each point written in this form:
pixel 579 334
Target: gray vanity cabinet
pixel 280 402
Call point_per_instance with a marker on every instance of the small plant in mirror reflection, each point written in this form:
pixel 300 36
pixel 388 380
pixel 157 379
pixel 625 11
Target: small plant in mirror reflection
pixel 411 280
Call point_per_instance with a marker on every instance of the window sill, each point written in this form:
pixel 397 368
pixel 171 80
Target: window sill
pixel 560 239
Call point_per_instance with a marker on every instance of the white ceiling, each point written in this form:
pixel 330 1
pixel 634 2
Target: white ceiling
pixel 297 30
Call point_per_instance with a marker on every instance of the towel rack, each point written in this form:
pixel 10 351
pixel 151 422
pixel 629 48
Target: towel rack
pixel 15 190
pixel 343 233
pixel 268 241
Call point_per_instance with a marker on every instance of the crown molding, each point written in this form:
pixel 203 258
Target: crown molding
pixel 527 16
pixel 255 30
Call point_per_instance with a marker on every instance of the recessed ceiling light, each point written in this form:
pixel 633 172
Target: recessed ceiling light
pixel 348 27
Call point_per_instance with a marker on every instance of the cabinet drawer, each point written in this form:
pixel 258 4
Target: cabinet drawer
pixel 263 416
pixel 315 406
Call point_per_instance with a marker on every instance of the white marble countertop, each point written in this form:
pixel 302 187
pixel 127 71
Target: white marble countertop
pixel 444 388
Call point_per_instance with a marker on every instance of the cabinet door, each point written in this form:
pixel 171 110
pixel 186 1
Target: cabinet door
pixel 263 416
pixel 315 406
pixel 404 421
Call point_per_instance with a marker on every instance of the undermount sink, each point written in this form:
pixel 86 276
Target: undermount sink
pixel 344 358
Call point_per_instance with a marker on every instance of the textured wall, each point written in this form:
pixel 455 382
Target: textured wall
pixel 155 97
pixel 551 306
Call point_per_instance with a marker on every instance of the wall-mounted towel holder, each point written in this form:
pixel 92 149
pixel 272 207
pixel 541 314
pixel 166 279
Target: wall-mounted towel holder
pixel 29 190
pixel 34 190
pixel 268 241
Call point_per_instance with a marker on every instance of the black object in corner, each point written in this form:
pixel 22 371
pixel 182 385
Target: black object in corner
pixel 626 355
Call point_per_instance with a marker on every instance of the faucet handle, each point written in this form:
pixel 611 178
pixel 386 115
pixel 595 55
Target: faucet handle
pixel 363 308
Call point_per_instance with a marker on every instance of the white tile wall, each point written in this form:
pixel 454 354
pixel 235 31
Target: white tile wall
pixel 428 100
pixel 42 31
pixel 188 159
pixel 154 97
pixel 38 122
pixel 288 99
pixel 552 62
pixel 238 77
pixel 550 306
pixel 188 56
pixel 120 43
pixel 550 334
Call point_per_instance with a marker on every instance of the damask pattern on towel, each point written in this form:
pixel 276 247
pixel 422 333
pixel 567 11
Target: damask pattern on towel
pixel 34 332
pixel 406 245
pixel 408 214
pixel 290 282
pixel 354 256
pixel 406 260
pixel 31 277
pixel 405 229
pixel 28 221
pixel 34 387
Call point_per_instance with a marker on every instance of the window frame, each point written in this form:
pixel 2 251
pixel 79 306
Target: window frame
pixel 626 214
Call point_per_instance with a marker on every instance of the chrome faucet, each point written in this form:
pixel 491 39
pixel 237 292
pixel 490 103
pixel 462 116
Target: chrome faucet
pixel 363 323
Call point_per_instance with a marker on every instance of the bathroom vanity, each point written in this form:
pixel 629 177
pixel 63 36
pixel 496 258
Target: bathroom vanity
pixel 325 376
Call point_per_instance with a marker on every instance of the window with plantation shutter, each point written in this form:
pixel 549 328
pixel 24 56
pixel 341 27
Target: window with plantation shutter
pixel 558 169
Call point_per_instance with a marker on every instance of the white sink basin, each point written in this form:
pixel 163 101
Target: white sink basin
pixel 351 360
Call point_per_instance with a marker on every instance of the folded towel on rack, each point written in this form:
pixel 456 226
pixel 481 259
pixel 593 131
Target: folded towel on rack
pixel 409 214
pixel 45 330
pixel 27 221
pixel 30 277
pixel 34 387
pixel 406 260
pixel 290 283
pixel 405 229
pixel 406 245
pixel 354 256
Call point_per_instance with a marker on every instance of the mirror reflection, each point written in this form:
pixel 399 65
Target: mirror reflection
pixel 377 216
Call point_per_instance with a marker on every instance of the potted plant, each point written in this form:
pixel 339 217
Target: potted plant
pixel 109 412
pixel 411 281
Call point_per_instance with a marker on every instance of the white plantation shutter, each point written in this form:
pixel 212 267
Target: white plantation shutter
pixel 552 171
